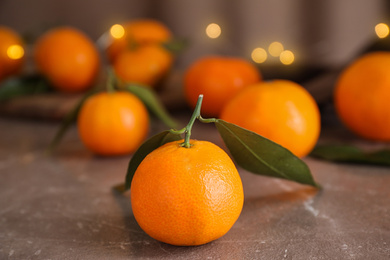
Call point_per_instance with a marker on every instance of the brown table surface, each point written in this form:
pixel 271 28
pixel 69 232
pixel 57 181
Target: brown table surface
pixel 63 207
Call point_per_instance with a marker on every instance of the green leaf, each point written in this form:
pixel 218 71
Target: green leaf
pixel 175 45
pixel 69 119
pixel 262 156
pixel 147 147
pixel 351 154
pixel 23 86
pixel 151 101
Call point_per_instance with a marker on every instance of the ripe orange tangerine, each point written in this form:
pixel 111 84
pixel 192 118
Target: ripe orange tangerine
pixel 186 196
pixel 10 63
pixel 68 58
pixel 139 32
pixel 219 79
pixel 362 96
pixel 145 64
pixel 113 123
pixel 280 110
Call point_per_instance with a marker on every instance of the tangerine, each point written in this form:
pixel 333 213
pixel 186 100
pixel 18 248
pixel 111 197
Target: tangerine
pixel 280 110
pixel 10 62
pixel 362 96
pixel 219 79
pixel 113 123
pixel 139 32
pixel 145 64
pixel 186 196
pixel 68 58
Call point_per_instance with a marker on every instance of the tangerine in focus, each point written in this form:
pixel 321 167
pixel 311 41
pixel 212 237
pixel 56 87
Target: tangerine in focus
pixel 139 32
pixel 11 62
pixel 219 79
pixel 68 58
pixel 186 196
pixel 280 110
pixel 113 123
pixel 145 64
pixel 362 96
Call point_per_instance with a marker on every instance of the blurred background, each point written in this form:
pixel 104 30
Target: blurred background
pixel 319 33
pixel 318 38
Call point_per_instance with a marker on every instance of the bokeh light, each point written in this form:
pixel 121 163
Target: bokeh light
pixel 287 57
pixel 117 31
pixel 275 49
pixel 213 30
pixel 259 55
pixel 382 30
pixel 15 52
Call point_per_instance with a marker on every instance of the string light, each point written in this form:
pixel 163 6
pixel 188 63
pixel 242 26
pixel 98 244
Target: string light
pixel 117 31
pixel 15 52
pixel 259 55
pixel 287 57
pixel 382 30
pixel 213 30
pixel 275 49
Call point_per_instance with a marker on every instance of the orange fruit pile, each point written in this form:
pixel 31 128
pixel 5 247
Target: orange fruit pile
pixel 113 123
pixel 279 110
pixel 362 96
pixel 186 196
pixel 11 52
pixel 219 79
pixel 139 56
pixel 139 32
pixel 68 58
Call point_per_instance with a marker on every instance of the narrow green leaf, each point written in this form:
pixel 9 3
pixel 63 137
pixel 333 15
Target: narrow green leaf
pixel 175 45
pixel 69 119
pixel 147 147
pixel 150 99
pixel 351 154
pixel 262 156
pixel 23 86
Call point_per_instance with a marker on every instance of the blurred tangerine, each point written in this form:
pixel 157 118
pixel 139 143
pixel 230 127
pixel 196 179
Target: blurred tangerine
pixel 112 124
pixel 68 58
pixel 141 31
pixel 145 64
pixel 362 96
pixel 11 52
pixel 219 79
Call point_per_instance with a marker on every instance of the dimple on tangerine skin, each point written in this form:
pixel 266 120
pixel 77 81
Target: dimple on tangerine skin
pixel 187 196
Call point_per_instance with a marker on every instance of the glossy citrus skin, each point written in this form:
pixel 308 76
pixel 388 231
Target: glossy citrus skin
pixel 218 79
pixel 141 31
pixel 68 58
pixel 8 66
pixel 145 64
pixel 279 110
pixel 113 123
pixel 362 96
pixel 187 196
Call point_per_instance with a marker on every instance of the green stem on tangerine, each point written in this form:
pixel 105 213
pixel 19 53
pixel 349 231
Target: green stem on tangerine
pixel 111 81
pixel 195 115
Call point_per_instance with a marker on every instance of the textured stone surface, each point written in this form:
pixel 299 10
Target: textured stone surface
pixel 63 207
